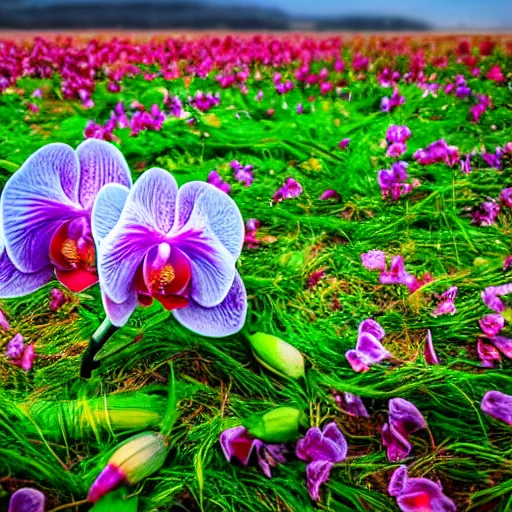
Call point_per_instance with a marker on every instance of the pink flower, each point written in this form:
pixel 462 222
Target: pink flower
pixel 492 324
pixel 57 299
pixel 506 197
pixel 315 278
pixel 491 296
pixel 215 180
pixel 329 194
pixel 20 354
pixel 250 233
pixel 396 149
pixel 374 260
pixel 446 303
pixel 343 144
pixel 429 353
pixel 486 213
pixel 4 323
pixel 487 353
pixel 465 164
pixel 398 275
pixel 289 190
pixel 495 74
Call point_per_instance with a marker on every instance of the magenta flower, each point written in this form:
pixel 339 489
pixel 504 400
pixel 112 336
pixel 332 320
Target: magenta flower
pixel 446 305
pixel 498 405
pixel 289 190
pixel 369 349
pixel 315 278
pixel 492 324
pixel 429 352
pixel 493 159
pixel 418 494
pixel 506 197
pixel 321 449
pixel 329 194
pixel 20 354
pixel 398 275
pixel 503 344
pixel 343 143
pixel 404 420
pixel 351 404
pixel 176 246
pixel 374 260
pixel 495 74
pixel 486 213
pixel 237 444
pixel 388 104
pixel 4 323
pixel 250 233
pixel 396 149
pixel 46 208
pixel 465 164
pixel 437 152
pixel 491 296
pixel 215 180
pixel 243 174
pixel 398 134
pixel 57 299
pixel 27 500
pixel 488 354
pixel 507 263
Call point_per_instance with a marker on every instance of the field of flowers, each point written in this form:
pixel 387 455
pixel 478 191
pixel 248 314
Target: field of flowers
pixel 256 273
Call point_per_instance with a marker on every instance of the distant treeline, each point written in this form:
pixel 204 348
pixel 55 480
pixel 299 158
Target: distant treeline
pixel 149 15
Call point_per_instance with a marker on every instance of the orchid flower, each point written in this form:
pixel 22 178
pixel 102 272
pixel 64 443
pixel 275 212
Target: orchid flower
pixel 321 449
pixel 239 445
pixel 27 500
pixel 404 419
pixel 46 210
pixel 418 494
pixel 369 349
pixel 177 246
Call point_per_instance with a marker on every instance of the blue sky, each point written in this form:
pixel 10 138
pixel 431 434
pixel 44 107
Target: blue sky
pixel 440 13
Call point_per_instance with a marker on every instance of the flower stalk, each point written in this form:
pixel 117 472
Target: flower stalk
pixel 102 334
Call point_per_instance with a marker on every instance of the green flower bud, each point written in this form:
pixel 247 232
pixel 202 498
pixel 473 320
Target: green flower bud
pixel 277 355
pixel 135 459
pixel 279 425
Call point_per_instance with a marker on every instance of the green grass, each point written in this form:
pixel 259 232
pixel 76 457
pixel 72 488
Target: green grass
pixel 218 381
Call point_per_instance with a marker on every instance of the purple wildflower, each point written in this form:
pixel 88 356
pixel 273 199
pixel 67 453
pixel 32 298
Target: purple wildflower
pixel 374 260
pixel 215 180
pixel 176 246
pixel 243 174
pixel 250 233
pixel 330 194
pixel 343 143
pixel 398 275
pixel 20 354
pixel 492 324
pixel 396 149
pixel 4 323
pixel 506 197
pixel 465 164
pixel 446 304
pixel 418 494
pixel 321 449
pixel 237 444
pixel 369 349
pixel 404 420
pixel 389 104
pixel 57 299
pixel 507 263
pixel 491 296
pixel 429 353
pixel 498 405
pixel 487 353
pixel 27 500
pixel 398 134
pixel 437 152
pixel 289 190
pixel 492 159
pixel 351 404
pixel 15 347
pixel 486 213
pixel 38 93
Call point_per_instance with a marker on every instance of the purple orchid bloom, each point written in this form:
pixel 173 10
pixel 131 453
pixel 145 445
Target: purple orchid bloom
pixel 492 324
pixel 369 349
pixel 177 246
pixel 418 494
pixel 46 209
pixel 398 134
pixel 488 354
pixel 374 260
pixel 27 500
pixel 351 405
pixel 498 405
pixel 404 419
pixel 237 444
pixel 446 304
pixel 321 449
pixel 429 352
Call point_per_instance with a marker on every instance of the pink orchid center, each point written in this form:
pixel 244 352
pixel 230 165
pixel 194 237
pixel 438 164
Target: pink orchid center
pixel 164 275
pixel 73 254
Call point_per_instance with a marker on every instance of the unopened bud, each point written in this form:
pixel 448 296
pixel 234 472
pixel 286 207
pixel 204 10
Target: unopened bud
pixel 135 459
pixel 277 355
pixel 279 425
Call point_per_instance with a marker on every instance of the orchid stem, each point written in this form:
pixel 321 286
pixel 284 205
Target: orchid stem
pixel 98 339
pixel 69 505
